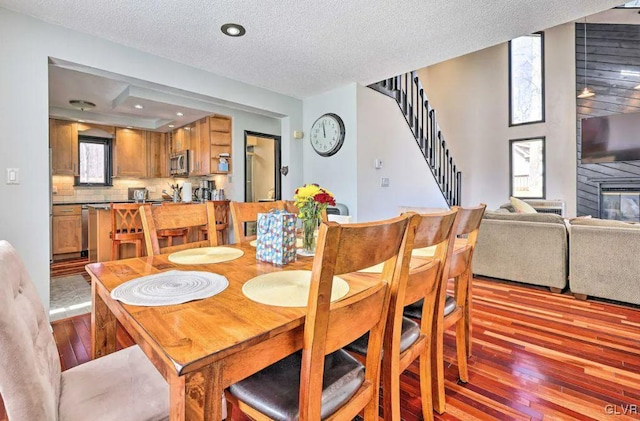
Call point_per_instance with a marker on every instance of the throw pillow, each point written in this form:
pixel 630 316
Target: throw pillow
pixel 521 206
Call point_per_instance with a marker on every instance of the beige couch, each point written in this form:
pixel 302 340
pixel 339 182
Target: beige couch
pixel 528 248
pixel 604 259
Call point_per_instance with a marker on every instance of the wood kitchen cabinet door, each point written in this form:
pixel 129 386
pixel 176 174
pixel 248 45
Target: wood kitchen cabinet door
pixel 158 153
pixel 63 139
pixel 201 148
pixel 130 153
pixel 67 229
pixel 181 139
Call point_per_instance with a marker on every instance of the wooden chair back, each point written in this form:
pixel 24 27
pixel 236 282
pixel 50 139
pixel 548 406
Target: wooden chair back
pixel 469 220
pixel 126 223
pixel 156 218
pixel 242 212
pixel 343 249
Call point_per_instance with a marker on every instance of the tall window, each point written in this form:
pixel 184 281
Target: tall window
pixel 527 163
pixel 94 161
pixel 526 79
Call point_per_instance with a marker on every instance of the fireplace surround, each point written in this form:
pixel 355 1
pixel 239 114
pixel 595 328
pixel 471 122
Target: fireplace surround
pixel 619 199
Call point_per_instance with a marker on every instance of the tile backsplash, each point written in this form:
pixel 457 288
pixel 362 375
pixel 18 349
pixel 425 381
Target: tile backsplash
pixel 65 192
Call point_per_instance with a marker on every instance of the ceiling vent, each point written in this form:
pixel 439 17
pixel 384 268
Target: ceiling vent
pixel 82 105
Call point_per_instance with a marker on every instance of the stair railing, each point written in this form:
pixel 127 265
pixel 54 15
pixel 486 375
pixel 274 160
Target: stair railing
pixel 408 92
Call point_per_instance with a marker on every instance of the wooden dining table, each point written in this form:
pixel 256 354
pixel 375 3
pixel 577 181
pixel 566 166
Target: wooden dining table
pixel 203 346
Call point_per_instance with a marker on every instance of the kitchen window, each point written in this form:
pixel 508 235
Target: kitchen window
pixel 94 161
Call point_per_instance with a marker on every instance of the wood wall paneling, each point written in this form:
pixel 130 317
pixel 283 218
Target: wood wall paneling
pixel 613 70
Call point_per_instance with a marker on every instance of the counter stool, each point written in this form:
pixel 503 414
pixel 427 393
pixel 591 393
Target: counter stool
pixel 126 228
pixel 170 234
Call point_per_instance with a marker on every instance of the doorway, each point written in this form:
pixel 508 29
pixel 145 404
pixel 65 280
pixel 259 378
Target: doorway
pixel 262 167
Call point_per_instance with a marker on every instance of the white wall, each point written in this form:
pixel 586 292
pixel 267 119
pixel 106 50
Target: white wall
pixel 27 44
pixel 264 167
pixel 337 173
pixel 383 133
pixel 470 95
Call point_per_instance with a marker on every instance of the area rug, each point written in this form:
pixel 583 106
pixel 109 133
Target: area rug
pixel 69 296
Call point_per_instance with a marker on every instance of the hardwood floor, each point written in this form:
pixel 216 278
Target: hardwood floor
pixel 536 355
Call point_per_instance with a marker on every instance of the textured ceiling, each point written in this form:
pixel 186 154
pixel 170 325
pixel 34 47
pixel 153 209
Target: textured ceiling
pixel 302 48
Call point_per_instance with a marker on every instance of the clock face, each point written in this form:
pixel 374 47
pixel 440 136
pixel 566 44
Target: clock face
pixel 327 134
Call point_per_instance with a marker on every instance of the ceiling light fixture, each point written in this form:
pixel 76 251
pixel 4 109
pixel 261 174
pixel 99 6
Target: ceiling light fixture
pixel 82 105
pixel 129 127
pixel 233 29
pixel 138 106
pixel 171 126
pixel 179 114
pixel 80 121
pixel 586 92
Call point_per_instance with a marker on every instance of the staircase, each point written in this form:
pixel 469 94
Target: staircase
pixel 407 90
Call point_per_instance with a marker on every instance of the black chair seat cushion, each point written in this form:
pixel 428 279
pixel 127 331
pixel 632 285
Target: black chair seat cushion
pixel 415 310
pixel 275 390
pixel 410 334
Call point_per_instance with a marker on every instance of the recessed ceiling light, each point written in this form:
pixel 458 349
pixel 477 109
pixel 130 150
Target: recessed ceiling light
pixel 233 29
pixel 129 127
pixel 138 106
pixel 80 121
pixel 171 126
pixel 82 105
pixel 179 114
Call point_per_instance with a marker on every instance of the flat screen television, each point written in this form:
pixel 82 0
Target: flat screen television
pixel 611 138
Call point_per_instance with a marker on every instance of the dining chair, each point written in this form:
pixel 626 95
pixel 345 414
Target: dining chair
pixel 322 381
pixel 404 339
pixel 155 218
pixel 456 308
pixel 243 212
pixel 221 209
pixel 126 227
pixel 123 386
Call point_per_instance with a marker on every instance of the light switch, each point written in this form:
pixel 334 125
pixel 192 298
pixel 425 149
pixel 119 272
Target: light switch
pixel 384 182
pixel 13 175
pixel 377 163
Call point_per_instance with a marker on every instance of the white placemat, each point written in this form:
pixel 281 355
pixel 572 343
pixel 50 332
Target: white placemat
pixel 205 255
pixel 169 288
pixel 289 288
pixel 254 243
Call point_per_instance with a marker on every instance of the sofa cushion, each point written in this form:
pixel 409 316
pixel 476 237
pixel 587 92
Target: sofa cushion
pixel 551 218
pixel 595 222
pixel 521 206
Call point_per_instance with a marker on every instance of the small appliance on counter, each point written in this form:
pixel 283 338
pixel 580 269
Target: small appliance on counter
pixel 137 194
pixel 205 191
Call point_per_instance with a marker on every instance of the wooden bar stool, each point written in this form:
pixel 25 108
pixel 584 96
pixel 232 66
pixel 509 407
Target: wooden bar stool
pixel 126 228
pixel 221 208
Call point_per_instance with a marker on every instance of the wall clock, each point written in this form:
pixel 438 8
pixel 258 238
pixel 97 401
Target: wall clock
pixel 327 134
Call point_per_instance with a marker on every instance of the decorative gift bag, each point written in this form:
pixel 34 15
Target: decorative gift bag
pixel 276 237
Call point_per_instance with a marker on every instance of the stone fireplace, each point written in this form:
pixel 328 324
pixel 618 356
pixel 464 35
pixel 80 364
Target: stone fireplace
pixel 620 199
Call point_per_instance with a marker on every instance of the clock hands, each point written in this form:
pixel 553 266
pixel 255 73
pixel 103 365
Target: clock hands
pixel 324 133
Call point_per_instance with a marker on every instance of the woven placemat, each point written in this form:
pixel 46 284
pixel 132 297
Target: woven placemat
pixel 289 288
pixel 169 288
pixel 204 255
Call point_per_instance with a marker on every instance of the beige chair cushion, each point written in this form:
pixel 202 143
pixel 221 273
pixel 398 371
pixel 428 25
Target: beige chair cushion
pixel 29 362
pixel 123 386
pixel 521 206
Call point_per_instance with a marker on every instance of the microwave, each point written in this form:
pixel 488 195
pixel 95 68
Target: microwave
pixel 179 164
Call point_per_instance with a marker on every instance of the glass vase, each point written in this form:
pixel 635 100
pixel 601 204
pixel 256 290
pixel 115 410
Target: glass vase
pixel 309 226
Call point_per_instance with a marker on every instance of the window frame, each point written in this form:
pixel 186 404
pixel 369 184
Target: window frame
pixel 108 158
pixel 544 166
pixel 543 92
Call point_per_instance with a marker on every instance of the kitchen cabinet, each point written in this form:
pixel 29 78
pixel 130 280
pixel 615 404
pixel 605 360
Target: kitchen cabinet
pixel 63 140
pixel 181 139
pixel 158 154
pixel 220 127
pixel 130 153
pixel 200 148
pixel 67 229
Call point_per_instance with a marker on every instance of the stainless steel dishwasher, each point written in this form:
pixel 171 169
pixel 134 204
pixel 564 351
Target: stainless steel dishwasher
pixel 85 231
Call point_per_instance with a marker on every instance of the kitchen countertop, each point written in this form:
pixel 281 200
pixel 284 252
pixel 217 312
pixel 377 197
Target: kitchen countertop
pixel 105 202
